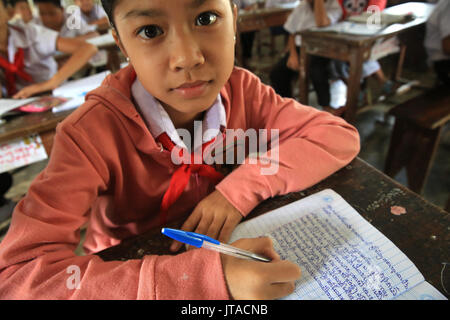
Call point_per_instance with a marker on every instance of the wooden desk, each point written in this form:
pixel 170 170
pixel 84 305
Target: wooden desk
pixel 259 19
pixel 422 233
pixel 354 49
pixel 42 123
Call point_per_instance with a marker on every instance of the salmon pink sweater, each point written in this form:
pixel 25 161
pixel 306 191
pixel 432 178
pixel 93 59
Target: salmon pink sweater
pixel 106 171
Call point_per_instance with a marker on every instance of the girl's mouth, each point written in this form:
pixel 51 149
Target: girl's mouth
pixel 191 90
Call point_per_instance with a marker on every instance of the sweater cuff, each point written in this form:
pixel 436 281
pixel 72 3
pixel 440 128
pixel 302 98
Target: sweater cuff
pixel 196 275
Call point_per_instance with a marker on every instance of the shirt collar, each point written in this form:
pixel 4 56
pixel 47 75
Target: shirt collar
pixel 158 120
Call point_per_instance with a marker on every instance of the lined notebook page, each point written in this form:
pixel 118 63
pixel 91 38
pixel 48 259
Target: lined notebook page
pixel 341 255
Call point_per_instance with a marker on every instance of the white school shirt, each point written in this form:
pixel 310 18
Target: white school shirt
pixel 302 17
pixel 158 120
pixel 39 44
pixel 241 4
pixel 275 3
pixel 73 28
pixel 437 28
pixel 95 14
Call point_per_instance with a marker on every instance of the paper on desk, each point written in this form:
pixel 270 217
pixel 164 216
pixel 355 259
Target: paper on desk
pixel 21 152
pixel 341 255
pixel 351 28
pixel 11 104
pixel 77 89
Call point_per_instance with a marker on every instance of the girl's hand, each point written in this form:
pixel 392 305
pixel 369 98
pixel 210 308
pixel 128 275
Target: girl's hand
pixel 33 89
pixel 256 280
pixel 214 216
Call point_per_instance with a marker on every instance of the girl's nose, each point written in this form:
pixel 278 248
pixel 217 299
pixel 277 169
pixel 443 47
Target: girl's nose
pixel 185 52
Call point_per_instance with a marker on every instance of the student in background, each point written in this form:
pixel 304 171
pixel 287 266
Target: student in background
pixel 54 16
pixel 437 41
pixel 279 30
pixel 356 7
pixel 92 13
pixel 26 57
pixel 9 7
pixel 370 68
pixel 247 38
pixel 23 10
pixel 307 14
pixel 112 169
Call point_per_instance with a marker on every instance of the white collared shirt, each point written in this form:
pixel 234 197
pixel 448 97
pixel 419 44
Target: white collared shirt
pixel 302 18
pixel 39 44
pixel 158 120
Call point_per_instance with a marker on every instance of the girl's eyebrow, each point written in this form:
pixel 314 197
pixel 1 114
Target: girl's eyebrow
pixel 156 12
pixel 143 13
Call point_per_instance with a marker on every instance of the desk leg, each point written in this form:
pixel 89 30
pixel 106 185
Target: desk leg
pixel 400 62
pixel 304 77
pixel 354 84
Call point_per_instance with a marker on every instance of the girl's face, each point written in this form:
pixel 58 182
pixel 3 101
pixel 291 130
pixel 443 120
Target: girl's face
pixel 182 50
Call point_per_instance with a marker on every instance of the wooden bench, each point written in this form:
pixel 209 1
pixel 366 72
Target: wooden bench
pixel 415 138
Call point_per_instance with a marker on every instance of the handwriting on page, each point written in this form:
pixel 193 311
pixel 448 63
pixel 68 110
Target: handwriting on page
pixel 341 255
pixel 336 260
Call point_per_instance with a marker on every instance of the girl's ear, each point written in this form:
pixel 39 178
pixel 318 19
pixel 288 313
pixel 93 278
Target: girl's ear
pixel 118 42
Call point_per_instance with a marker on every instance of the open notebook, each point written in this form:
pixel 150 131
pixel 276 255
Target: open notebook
pixel 342 256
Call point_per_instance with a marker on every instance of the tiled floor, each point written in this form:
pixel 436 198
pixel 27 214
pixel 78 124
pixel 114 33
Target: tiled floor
pixel 374 129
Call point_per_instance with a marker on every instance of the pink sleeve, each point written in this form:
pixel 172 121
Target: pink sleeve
pixel 312 146
pixel 37 259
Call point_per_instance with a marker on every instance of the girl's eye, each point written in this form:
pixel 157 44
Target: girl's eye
pixel 150 32
pixel 206 19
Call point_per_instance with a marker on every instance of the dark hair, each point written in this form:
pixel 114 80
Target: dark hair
pixel 56 3
pixel 13 2
pixel 110 5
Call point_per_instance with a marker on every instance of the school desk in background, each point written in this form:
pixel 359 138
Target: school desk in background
pixel 39 127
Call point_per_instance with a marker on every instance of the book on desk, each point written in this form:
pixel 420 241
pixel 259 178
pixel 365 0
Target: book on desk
pixel 342 256
pixel 365 24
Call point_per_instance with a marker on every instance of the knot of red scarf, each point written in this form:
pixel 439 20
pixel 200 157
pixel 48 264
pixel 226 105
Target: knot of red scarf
pixel 182 174
pixel 13 69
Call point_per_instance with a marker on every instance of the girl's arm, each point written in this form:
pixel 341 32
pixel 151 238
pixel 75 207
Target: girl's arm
pixel 80 52
pixel 311 144
pixel 88 35
pixel 320 14
pixel 100 21
pixel 293 60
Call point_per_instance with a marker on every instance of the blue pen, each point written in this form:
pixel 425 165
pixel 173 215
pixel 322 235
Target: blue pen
pixel 201 241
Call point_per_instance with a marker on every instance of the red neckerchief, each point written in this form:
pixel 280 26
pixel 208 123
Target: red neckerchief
pixel 13 69
pixel 182 174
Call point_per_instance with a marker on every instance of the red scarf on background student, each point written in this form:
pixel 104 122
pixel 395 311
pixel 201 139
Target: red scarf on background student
pixel 13 69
